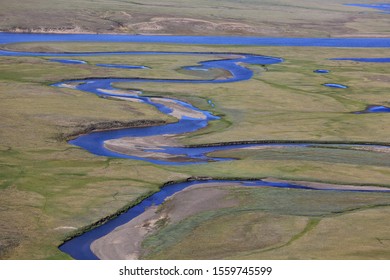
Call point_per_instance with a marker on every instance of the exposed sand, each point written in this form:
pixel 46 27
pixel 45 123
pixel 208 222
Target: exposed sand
pixel 178 110
pixel 65 228
pixel 127 99
pixel 65 85
pixel 372 149
pixel 141 146
pixel 131 93
pixel 125 241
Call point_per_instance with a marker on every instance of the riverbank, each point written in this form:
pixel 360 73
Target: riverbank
pixel 84 129
pixel 125 241
pixel 69 188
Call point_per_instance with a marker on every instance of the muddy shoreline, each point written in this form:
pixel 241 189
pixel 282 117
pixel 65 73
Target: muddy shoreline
pixel 125 241
pixel 317 186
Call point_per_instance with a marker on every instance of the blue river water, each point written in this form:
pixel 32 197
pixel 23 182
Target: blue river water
pixel 68 61
pixel 375 109
pixel 383 7
pixel 321 71
pixel 120 66
pixel 378 109
pixel 94 142
pixel 79 247
pixel 6 38
pixel 366 59
pixel 334 85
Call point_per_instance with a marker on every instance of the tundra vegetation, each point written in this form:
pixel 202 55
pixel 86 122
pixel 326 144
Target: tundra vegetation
pixel 50 190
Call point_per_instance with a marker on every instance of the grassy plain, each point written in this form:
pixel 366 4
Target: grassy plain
pixel 279 224
pixel 298 18
pixel 49 189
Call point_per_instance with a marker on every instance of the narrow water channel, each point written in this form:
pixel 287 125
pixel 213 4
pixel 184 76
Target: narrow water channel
pixel 190 118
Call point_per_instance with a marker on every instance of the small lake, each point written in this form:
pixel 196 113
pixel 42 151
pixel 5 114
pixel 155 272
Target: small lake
pixel 383 7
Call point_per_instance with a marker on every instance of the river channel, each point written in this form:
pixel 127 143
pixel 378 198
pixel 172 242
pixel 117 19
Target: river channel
pixel 189 118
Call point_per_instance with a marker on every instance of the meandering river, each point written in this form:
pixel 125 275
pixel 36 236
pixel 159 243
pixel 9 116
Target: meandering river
pixel 151 142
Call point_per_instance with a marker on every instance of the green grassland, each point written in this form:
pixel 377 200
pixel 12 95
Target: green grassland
pixel 49 189
pixel 250 17
pixel 280 224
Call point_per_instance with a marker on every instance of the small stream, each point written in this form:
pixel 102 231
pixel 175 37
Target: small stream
pixel 191 118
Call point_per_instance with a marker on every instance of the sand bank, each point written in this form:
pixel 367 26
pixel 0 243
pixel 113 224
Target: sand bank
pixel 125 242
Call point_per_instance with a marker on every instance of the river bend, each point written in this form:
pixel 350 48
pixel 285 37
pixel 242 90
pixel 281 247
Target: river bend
pixel 150 144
